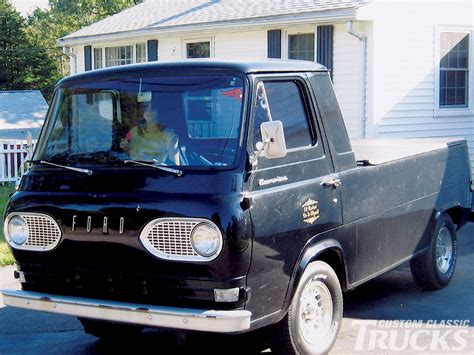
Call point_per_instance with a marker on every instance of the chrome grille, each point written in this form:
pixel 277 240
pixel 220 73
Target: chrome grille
pixel 43 231
pixel 172 238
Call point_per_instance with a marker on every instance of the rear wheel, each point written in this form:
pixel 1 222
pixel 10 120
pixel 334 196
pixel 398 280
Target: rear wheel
pixel 109 330
pixel 434 269
pixel 314 316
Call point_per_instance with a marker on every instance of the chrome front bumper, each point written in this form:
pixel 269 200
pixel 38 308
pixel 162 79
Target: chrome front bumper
pixel 147 315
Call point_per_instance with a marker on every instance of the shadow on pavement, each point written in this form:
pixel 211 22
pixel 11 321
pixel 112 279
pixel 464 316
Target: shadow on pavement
pixel 165 341
pixel 395 295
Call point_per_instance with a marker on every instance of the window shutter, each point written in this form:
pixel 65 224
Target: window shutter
pixel 325 47
pixel 152 50
pixel 87 58
pixel 274 43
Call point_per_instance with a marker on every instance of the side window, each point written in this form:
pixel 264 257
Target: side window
pixel 285 104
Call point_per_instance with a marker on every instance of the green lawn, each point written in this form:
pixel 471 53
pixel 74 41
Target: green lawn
pixel 6 257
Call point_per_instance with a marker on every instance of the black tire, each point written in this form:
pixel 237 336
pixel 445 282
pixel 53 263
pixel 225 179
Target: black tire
pixel 110 330
pixel 293 335
pixel 434 269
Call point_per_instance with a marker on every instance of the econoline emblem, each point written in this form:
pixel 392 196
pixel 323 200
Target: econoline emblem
pixel 310 211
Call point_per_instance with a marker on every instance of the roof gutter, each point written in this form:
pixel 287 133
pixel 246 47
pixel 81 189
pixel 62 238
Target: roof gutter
pixel 322 16
pixel 363 74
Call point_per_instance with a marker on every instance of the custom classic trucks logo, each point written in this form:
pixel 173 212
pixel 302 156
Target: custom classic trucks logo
pixel 310 211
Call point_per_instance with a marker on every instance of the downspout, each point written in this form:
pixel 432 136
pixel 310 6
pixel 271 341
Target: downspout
pixel 363 74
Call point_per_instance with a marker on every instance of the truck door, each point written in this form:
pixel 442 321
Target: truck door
pixel 293 198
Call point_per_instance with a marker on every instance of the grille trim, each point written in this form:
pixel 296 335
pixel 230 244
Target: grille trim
pixel 170 239
pixel 44 233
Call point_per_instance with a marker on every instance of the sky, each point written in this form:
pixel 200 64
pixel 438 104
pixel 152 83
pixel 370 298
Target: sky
pixel 26 7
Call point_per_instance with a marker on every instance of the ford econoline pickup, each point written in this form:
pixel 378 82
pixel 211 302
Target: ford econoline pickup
pixel 223 197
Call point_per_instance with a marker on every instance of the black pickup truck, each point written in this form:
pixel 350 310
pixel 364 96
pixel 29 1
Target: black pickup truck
pixel 223 197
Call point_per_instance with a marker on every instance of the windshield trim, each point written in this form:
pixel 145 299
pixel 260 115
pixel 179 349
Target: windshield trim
pixel 48 123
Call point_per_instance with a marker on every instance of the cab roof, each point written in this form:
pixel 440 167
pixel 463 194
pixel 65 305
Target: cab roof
pixel 245 67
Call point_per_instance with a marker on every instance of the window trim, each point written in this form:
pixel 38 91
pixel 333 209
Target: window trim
pixel 313 121
pixel 101 49
pixel 453 111
pixel 186 41
pixel 124 44
pixel 285 39
pixel 301 34
pixel 135 52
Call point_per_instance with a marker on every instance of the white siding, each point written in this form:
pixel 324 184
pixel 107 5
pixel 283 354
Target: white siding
pixel 78 60
pixel 404 62
pixel 169 48
pixel 227 45
pixel 241 45
pixel 347 77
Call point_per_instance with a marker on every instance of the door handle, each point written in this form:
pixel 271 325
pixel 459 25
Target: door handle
pixel 332 183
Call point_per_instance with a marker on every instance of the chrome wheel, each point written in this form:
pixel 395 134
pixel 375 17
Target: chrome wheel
pixel 444 250
pixel 315 312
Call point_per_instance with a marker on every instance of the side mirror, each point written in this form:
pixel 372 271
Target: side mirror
pixel 273 145
pixel 273 137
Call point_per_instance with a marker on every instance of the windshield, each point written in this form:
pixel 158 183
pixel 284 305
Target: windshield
pixel 179 120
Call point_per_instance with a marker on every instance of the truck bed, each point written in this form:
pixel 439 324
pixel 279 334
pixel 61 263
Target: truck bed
pixel 379 151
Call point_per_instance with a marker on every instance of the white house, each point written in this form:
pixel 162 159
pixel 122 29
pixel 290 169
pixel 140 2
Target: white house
pixel 401 69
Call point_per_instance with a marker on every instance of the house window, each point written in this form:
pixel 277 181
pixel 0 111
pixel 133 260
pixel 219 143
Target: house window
pixel 98 58
pixel 301 46
pixel 141 52
pixel 198 49
pixel 118 56
pixel 454 70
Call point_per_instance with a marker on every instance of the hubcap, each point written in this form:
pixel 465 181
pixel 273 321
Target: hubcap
pixel 444 250
pixel 315 312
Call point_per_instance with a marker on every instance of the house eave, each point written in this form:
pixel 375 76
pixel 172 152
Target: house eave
pixel 320 16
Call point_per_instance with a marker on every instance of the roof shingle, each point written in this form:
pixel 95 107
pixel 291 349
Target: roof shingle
pixel 156 14
pixel 21 111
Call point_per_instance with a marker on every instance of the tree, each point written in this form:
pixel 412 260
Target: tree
pixel 85 12
pixel 29 55
pixel 12 45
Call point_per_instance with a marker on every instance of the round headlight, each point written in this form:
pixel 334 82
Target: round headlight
pixel 18 230
pixel 206 239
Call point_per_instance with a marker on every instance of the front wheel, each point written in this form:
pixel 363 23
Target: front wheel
pixel 434 269
pixel 314 316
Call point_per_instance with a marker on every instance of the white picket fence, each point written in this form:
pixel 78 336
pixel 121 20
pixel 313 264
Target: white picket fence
pixel 13 155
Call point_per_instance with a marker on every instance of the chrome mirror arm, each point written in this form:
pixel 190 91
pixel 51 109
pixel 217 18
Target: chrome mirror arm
pixel 260 148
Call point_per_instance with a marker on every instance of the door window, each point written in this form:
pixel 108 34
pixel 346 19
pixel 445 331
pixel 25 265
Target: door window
pixel 285 104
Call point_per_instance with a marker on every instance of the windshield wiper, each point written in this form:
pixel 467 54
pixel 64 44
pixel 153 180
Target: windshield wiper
pixel 79 170
pixel 156 166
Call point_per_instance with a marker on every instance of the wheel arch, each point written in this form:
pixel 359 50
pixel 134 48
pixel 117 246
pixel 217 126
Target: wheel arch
pixel 330 251
pixel 459 216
